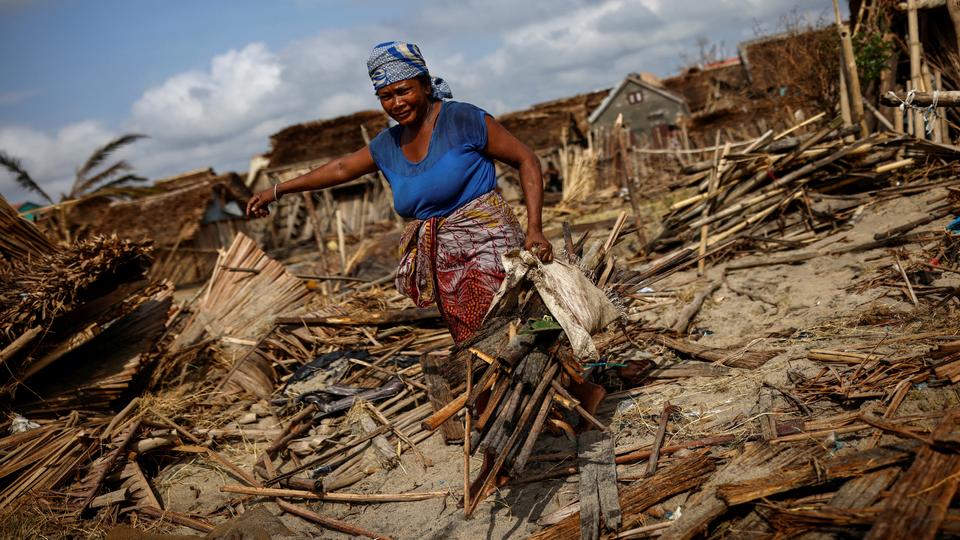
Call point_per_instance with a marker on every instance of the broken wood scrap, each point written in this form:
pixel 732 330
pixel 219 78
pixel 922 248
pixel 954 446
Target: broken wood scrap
pixel 175 517
pixel 439 394
pixel 652 464
pixel 690 311
pixel 918 502
pixel 796 476
pixel 738 359
pixel 599 504
pixel 351 498
pixel 683 475
pixel 328 522
pixel 704 507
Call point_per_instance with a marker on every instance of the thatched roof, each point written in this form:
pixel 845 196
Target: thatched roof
pixel 708 88
pixel 549 125
pixel 324 139
pixel 175 213
pixel 20 239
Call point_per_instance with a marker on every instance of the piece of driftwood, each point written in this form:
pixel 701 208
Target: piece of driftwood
pixel 175 517
pixel 689 312
pixel 859 493
pixel 682 476
pixel 755 461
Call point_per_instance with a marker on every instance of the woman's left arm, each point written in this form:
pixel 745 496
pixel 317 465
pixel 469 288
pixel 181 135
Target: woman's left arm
pixel 503 146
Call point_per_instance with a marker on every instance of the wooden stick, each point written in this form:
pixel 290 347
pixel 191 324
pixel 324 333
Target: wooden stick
pixel 579 408
pixel 668 409
pixel 328 522
pixel 436 419
pixel 179 519
pixel 351 498
pixel 906 279
pixel 467 435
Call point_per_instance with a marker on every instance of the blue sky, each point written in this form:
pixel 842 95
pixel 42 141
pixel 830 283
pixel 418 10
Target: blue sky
pixel 210 80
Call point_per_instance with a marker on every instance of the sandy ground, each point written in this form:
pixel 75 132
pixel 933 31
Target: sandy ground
pixel 793 308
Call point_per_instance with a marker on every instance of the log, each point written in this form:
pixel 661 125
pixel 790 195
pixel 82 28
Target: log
pixel 110 499
pixel 745 360
pixel 755 461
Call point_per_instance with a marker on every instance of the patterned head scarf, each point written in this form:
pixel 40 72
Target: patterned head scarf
pixel 394 61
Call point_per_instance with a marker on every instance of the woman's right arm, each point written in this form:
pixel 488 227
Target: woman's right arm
pixel 332 173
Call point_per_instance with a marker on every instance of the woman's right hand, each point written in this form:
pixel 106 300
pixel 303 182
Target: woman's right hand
pixel 257 205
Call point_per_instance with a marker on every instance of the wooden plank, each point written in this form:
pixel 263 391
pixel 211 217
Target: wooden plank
pixel 607 482
pixel 684 475
pixel 439 394
pixel 587 453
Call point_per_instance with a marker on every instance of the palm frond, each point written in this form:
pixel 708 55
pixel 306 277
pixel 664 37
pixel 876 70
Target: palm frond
pixel 22 177
pixel 102 153
pixel 123 181
pixel 107 173
pixel 129 192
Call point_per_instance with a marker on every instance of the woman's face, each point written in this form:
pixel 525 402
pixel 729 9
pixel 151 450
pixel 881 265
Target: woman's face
pixel 406 101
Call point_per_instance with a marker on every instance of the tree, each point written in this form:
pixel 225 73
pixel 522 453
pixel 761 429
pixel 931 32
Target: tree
pixel 21 176
pixel 87 183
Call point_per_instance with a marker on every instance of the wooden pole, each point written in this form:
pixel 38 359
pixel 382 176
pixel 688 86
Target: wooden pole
pixel 913 31
pixel 942 120
pixel 845 102
pixel 340 243
pixel 467 432
pixel 850 72
pixel 711 191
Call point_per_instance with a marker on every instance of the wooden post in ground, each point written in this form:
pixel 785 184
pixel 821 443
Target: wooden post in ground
pixel 849 68
pixel 913 31
pixel 845 102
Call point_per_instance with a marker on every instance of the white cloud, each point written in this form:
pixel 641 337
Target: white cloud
pixel 50 158
pixel 240 88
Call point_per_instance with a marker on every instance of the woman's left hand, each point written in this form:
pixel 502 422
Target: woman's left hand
pixel 537 244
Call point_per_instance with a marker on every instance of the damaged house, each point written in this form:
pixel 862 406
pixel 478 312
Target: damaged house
pixel 189 218
pixel 300 148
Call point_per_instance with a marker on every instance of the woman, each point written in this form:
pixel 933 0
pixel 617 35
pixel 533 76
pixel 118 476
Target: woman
pixel 438 161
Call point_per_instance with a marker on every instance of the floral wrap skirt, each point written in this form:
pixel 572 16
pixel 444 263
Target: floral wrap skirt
pixel 455 260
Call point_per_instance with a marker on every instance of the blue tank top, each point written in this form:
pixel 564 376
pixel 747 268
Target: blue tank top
pixel 454 172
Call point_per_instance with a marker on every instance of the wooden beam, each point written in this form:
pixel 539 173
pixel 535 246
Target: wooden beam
pixel 947 98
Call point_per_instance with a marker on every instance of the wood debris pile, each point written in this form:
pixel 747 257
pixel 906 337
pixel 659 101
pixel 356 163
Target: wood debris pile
pixel 786 192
